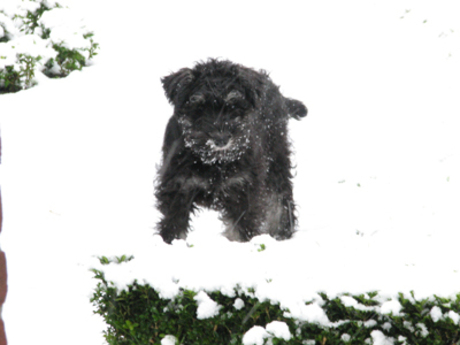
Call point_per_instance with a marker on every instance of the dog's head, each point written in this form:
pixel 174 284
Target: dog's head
pixel 214 104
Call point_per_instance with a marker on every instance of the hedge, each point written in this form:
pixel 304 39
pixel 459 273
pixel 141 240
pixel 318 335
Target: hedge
pixel 138 314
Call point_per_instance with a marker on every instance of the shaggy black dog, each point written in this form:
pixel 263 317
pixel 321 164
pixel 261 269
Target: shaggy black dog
pixel 226 147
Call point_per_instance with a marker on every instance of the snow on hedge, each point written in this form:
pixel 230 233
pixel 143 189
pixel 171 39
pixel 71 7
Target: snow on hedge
pixel 40 37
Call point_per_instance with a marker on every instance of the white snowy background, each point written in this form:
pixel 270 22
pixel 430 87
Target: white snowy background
pixel 377 176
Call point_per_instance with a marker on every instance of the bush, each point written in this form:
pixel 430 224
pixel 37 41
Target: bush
pixel 40 36
pixel 139 315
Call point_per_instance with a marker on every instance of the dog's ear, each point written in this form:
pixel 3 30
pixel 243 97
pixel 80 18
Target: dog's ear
pixel 174 83
pixel 296 108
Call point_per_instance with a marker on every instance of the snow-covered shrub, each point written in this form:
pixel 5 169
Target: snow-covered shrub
pixel 40 36
pixel 137 314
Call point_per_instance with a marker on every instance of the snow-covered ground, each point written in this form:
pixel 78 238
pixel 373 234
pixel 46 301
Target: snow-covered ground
pixel 378 159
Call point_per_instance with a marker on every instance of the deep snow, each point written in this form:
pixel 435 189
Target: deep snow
pixel 377 176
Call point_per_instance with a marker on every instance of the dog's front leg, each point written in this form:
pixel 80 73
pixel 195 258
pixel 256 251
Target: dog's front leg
pixel 175 207
pixel 242 216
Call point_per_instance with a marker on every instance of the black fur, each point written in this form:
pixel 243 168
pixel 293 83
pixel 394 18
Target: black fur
pixel 226 148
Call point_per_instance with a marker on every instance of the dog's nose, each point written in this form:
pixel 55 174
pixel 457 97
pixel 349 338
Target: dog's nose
pixel 221 139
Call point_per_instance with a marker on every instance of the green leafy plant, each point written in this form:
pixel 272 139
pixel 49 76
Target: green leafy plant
pixel 19 66
pixel 94 46
pixel 9 80
pixel 140 315
pixel 262 247
pixel 27 68
pixel 68 60
pixel 30 20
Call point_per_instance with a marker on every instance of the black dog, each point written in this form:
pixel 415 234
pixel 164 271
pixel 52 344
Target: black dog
pixel 226 147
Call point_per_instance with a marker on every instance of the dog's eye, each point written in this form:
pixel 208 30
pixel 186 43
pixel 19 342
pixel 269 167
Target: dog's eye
pixel 194 99
pixel 233 96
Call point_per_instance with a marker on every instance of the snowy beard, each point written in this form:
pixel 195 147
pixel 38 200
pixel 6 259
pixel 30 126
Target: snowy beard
pixel 202 144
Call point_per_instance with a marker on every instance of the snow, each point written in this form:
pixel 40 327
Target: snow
pixel 19 8
pixel 310 313
pixel 238 304
pixel 423 330
pixel 370 323
pixel 31 44
pixel 436 313
pixel 345 337
pixel 391 307
pixel 169 340
pixel 454 316
pixel 206 306
pixel 279 329
pixel 66 28
pixel 255 336
pixel 377 163
pixel 378 338
pixel 402 339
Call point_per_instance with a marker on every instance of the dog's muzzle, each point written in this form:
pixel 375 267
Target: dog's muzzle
pixel 220 141
pixel 220 146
